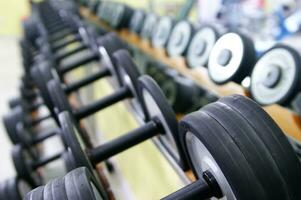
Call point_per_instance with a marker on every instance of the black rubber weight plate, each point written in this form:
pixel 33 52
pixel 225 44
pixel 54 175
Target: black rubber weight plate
pixel 55 190
pixel 78 184
pixel 274 139
pixel 276 76
pixel 180 38
pixel 226 154
pixel 36 194
pixel 156 105
pixel 231 58
pixel 58 96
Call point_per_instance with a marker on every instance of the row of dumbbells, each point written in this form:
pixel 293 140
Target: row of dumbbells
pixel 234 149
pixel 273 76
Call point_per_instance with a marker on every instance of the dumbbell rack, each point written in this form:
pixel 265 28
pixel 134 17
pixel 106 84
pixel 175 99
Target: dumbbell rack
pixel 288 120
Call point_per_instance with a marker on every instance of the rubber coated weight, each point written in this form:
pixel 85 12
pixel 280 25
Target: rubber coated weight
pixel 36 194
pixel 9 121
pixel 162 32
pixel 276 76
pixel 161 120
pixel 85 184
pixel 200 46
pixel 180 38
pixel 128 74
pixel 213 138
pixel 14 188
pixel 273 137
pixel 55 190
pixel 231 58
pixel 148 26
pixel 137 21
pixel 21 161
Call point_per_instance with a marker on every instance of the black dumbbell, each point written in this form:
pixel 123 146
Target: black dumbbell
pixel 180 38
pixel 137 21
pixel 200 46
pixel 128 74
pixel 235 150
pixel 162 31
pixel 160 123
pixel 232 58
pixel 14 188
pixel 275 77
pixel 80 180
pixel 27 164
pixel 148 26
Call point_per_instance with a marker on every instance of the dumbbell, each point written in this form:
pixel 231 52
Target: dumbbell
pixel 27 165
pixel 14 188
pixel 80 179
pixel 232 58
pixel 276 76
pixel 201 44
pixel 162 31
pixel 160 123
pixel 43 73
pixel 180 38
pixel 137 21
pixel 235 150
pixel 127 74
pixel 148 27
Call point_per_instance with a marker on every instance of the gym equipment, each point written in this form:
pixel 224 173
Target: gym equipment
pixel 162 32
pixel 137 21
pixel 180 38
pixel 148 26
pixel 128 74
pixel 200 46
pixel 276 76
pixel 160 123
pixel 43 73
pixel 235 150
pixel 79 180
pixel 27 166
pixel 14 188
pixel 231 58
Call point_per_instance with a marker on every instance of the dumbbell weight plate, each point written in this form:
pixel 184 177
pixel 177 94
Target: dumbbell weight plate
pixel 36 194
pixel 276 76
pixel 21 159
pixel 55 190
pixel 162 32
pixel 226 138
pixel 24 138
pixel 117 16
pixel 274 138
pixel 14 188
pixel 231 58
pixel 200 46
pixel 156 106
pixel 180 38
pixel 148 26
pixel 78 179
pixel 137 21
pixel 10 120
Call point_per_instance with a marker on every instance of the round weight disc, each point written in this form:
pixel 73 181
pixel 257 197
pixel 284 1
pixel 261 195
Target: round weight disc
pixel 148 26
pixel 156 106
pixel 179 39
pixel 137 21
pixel 200 46
pixel 16 188
pixel 231 58
pixel 118 14
pixel 209 143
pixel 162 32
pixel 129 74
pixel 10 120
pixel 22 160
pixel 72 138
pixel 85 184
pixel 69 161
pixel 58 97
pixel 25 138
pixel 273 137
pixel 55 189
pixel 36 194
pixel 276 76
